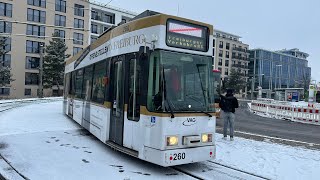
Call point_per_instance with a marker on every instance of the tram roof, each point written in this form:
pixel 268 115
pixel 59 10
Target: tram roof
pixel 136 24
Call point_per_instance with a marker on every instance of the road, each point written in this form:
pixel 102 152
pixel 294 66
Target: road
pixel 280 129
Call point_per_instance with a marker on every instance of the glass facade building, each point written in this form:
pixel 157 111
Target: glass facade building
pixel 278 69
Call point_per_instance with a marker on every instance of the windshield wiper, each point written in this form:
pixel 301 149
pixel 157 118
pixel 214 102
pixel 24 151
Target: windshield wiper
pixel 165 93
pixel 193 98
pixel 206 113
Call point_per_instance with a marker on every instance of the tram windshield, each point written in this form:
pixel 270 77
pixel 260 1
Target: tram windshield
pixel 180 82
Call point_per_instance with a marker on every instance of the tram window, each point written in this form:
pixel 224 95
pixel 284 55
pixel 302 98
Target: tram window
pixel 87 83
pixel 180 82
pixel 154 92
pixel 72 83
pixel 78 84
pixel 67 84
pixel 99 82
pixel 134 90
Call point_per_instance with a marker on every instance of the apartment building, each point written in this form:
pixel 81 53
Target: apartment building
pixel 30 24
pixel 103 17
pixel 230 53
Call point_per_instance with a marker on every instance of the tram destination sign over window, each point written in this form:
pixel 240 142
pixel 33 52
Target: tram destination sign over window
pixel 187 36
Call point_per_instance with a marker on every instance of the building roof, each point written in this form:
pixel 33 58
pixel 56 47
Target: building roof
pixel 105 5
pixel 294 50
pixel 226 33
pixel 277 52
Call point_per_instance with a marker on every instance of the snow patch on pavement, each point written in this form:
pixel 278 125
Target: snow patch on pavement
pixel 269 160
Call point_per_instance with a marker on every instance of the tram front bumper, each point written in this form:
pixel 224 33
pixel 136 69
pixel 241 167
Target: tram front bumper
pixel 174 157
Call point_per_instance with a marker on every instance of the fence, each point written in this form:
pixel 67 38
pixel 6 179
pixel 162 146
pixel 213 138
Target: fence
pixel 309 113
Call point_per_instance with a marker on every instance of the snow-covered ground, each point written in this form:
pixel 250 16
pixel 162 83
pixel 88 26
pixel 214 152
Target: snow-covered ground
pixel 41 143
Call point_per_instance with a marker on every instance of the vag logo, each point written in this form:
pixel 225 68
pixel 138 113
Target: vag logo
pixel 190 122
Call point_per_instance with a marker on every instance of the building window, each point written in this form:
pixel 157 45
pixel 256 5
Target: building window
pixel 39 3
pixel 31 79
pixel 227 54
pixel 5 9
pixel 220 62
pixel 5 27
pixel 221 44
pixel 60 33
pixel 32 62
pixel 5 60
pixel 226 63
pixel 7 47
pixel 76 50
pixel 234 46
pixel 233 55
pixel 220 53
pixel 220 69
pixel 213 51
pixel 226 71
pixel 93 39
pixel 60 20
pixel 105 17
pixel 33 47
pixel 105 28
pixel 36 30
pixel 36 15
pixel 27 92
pixel 61 6
pixel 228 46
pixel 94 15
pixel 214 43
pixel 78 23
pixel 4 91
pixel 108 18
pixel 78 38
pixel 79 10
pixel 94 29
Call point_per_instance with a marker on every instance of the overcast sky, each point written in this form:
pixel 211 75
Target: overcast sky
pixel 268 24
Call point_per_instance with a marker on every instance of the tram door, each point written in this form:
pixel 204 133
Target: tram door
pixel 117 101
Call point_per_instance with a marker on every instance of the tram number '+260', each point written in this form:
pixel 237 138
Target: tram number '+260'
pixel 179 156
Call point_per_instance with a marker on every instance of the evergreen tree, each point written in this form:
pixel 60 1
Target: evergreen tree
pixel 5 71
pixel 236 81
pixel 53 65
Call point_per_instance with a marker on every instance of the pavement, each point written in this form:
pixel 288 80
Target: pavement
pixel 247 124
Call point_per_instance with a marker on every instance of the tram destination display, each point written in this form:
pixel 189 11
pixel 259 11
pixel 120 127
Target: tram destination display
pixel 187 36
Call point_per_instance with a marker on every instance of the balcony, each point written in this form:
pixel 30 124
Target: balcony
pixel 241 58
pixel 240 66
pixel 104 17
pixel 240 49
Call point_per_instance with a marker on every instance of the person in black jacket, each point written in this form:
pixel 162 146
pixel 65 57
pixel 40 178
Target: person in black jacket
pixel 228 104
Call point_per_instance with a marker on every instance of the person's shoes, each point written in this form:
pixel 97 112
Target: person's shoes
pixel 231 138
pixel 224 138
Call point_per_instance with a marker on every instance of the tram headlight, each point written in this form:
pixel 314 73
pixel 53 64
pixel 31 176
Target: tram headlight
pixel 206 138
pixel 172 140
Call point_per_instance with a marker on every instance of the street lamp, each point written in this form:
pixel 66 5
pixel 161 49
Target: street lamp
pixel 41 45
pixel 253 81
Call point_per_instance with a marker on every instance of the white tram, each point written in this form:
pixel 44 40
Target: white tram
pixel 146 88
